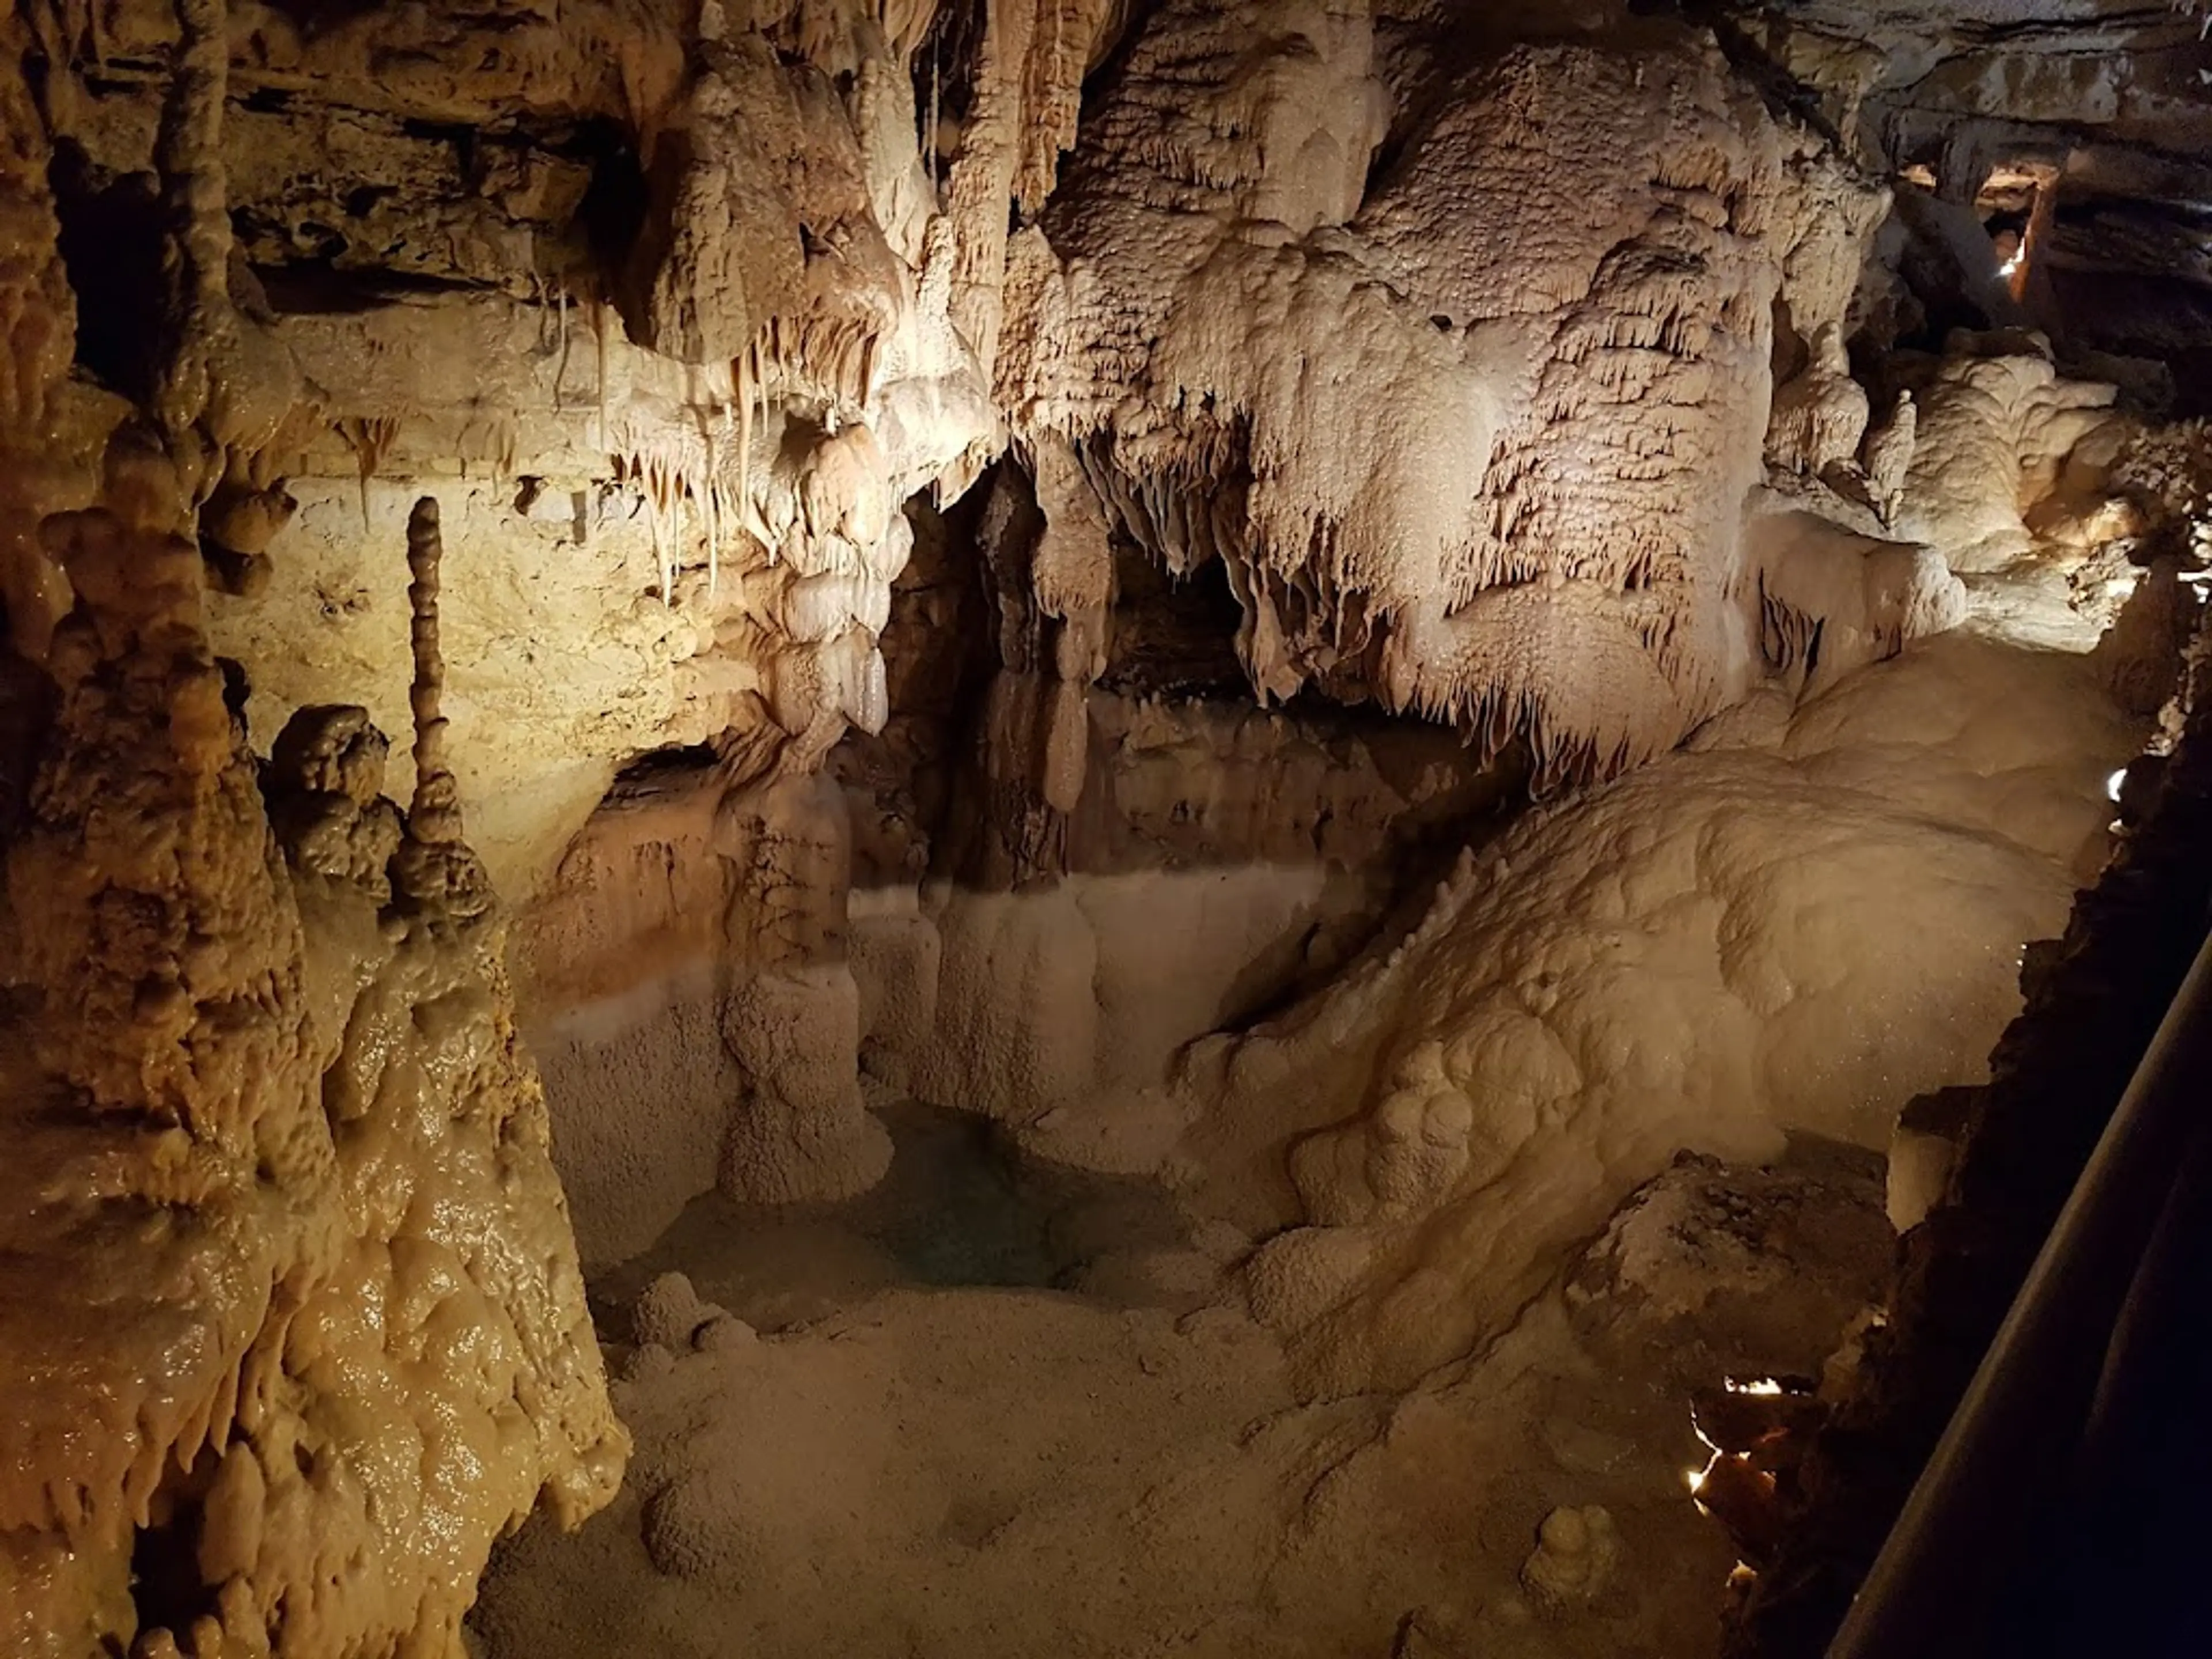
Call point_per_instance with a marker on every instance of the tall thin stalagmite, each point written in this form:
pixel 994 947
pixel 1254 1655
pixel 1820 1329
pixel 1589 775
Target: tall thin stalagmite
pixel 434 864
pixel 434 815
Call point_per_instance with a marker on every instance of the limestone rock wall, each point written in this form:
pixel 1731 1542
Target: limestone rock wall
pixel 2098 109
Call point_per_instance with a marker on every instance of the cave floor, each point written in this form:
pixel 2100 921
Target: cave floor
pixel 999 1408
pixel 901 1465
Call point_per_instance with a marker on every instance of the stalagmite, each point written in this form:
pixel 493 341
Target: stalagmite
pixel 1889 449
pixel 433 865
pixel 219 1067
pixel 434 814
pixel 188 151
pixel 1820 416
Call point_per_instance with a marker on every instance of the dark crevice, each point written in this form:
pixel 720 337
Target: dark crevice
pixel 1136 15
pixel 1174 637
pixel 313 18
pixel 319 287
pixel 112 247
pixel 1787 98
pixel 655 770
pixel 166 1586
pixel 946 66
pixel 613 211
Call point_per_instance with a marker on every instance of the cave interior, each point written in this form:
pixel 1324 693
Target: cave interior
pixel 987 828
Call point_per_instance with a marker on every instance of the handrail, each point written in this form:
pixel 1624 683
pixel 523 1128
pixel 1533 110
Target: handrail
pixel 2013 1433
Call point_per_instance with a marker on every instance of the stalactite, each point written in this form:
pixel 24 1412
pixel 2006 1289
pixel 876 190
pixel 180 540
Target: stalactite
pixel 561 370
pixel 600 342
pixel 752 421
pixel 369 436
pixel 936 116
pixel 659 478
pixel 710 508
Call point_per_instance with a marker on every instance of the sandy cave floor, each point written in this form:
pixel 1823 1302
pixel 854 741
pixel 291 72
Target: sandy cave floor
pixel 902 1464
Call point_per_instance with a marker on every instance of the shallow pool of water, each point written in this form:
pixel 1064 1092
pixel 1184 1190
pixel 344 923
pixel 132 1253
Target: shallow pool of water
pixel 961 1206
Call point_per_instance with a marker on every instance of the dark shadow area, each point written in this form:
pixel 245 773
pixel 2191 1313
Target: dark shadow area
pixel 2119 1574
pixel 320 287
pixel 317 17
pixel 110 246
pixel 613 211
pixel 1173 637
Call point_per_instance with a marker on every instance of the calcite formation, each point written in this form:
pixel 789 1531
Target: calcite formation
pixel 1657 969
pixel 1507 496
pixel 695 431
pixel 1993 429
pixel 290 1307
pixel 1455 349
pixel 1474 436
pixel 293 1322
pixel 1575 380
pixel 1575 1558
pixel 1820 415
